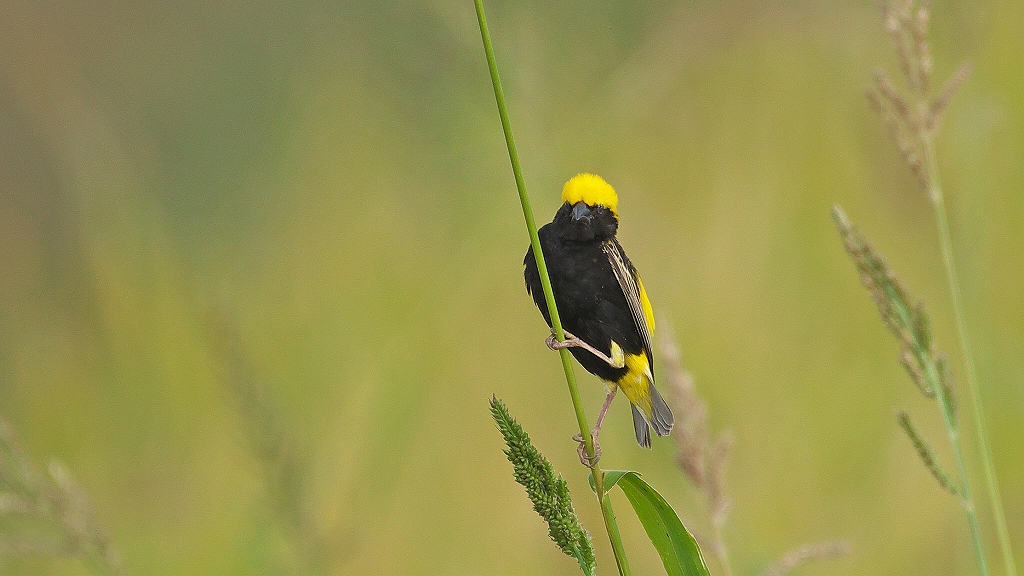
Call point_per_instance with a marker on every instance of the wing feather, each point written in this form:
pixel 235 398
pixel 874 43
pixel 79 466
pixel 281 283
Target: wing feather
pixel 633 290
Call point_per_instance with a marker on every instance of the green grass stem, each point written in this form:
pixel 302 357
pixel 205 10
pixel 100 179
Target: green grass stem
pixel 913 126
pixel 910 326
pixel 935 195
pixel 945 407
pixel 556 324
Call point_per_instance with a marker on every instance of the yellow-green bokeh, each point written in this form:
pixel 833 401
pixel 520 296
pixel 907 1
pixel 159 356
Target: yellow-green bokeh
pixel 333 175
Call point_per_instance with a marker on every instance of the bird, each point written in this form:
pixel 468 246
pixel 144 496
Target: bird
pixel 601 301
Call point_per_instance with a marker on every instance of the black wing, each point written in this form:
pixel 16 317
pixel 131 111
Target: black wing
pixel 633 290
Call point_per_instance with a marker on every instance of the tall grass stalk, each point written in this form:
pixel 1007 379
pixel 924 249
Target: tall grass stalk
pixel 935 194
pixel 911 326
pixel 285 467
pixel 607 513
pixel 913 126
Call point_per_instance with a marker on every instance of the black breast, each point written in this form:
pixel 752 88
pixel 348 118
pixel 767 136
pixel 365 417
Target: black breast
pixel 589 299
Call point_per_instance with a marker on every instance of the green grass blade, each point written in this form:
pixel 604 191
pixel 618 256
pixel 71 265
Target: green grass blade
pixel 679 551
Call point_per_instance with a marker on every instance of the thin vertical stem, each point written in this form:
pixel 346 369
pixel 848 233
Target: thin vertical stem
pixel 935 195
pixel 612 527
pixel 965 486
pixel 936 385
pixel 556 324
pixel 720 550
pixel 531 225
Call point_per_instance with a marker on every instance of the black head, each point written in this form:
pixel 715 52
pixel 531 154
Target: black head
pixel 584 223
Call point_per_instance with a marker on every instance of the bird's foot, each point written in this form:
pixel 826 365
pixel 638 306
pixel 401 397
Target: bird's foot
pixel 554 344
pixel 617 359
pixel 582 449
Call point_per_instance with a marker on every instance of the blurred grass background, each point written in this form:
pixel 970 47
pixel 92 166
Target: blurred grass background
pixel 333 175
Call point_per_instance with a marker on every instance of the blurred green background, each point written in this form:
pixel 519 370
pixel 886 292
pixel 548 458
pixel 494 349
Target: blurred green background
pixel 330 177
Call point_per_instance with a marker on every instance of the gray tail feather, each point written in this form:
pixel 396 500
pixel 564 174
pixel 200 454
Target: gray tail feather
pixel 643 431
pixel 662 418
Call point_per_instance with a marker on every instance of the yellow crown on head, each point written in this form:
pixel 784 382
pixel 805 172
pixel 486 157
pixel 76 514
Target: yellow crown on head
pixel 591 190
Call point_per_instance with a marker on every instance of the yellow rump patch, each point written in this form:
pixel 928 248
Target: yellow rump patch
pixel 636 382
pixel 592 190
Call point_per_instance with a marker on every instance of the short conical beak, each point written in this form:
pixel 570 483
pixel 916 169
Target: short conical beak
pixel 580 211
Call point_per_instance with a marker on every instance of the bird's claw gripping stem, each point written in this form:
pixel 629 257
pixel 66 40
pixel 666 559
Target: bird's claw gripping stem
pixel 571 341
pixel 582 449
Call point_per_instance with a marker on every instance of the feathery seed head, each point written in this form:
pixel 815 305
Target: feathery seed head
pixel 546 489
pixel 591 190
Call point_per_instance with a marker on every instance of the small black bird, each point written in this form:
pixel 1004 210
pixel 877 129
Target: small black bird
pixel 601 301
